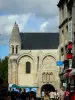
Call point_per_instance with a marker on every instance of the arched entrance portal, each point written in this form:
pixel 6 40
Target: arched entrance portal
pixel 47 88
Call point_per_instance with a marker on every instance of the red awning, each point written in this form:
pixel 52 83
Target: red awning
pixel 70 46
pixel 69 56
pixel 67 75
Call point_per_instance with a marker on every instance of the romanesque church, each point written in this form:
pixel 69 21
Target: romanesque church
pixel 32 60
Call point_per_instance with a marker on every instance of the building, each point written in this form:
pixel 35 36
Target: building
pixel 66 14
pixel 32 60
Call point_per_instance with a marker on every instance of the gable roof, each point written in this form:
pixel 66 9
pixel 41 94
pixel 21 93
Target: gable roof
pixel 32 41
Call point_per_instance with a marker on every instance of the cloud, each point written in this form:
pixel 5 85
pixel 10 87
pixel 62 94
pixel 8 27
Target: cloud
pixel 6 25
pixel 41 8
pixel 43 26
pixel 50 25
pixel 21 11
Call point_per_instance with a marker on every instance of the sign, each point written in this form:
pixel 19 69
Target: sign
pixel 64 84
pixel 59 63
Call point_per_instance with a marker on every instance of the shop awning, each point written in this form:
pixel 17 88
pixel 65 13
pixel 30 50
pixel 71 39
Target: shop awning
pixel 28 87
pixel 66 75
pixel 72 73
pixel 20 86
pixel 15 86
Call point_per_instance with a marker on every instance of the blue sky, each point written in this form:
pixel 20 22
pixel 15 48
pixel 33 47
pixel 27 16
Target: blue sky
pixel 30 15
pixel 4 51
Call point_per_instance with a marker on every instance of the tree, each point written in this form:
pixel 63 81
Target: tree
pixel 4 69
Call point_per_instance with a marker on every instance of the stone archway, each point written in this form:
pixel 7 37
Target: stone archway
pixel 47 88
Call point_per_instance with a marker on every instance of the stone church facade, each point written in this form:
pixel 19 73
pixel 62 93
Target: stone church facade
pixel 32 59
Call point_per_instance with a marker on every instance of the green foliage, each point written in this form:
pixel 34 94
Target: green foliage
pixel 4 69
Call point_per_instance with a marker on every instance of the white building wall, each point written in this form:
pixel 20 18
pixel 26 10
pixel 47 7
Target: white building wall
pixel 47 63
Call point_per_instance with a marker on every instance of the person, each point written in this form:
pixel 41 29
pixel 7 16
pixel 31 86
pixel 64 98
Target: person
pixel 46 96
pixel 24 95
pixel 13 94
pixel 56 95
pixel 9 95
pixel 31 96
pixel 51 94
pixel 62 94
pixel 67 93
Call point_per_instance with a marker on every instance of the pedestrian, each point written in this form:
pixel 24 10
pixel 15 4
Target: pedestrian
pixel 51 94
pixel 56 95
pixel 46 97
pixel 62 94
pixel 31 96
pixel 67 93
pixel 18 96
pixel 24 95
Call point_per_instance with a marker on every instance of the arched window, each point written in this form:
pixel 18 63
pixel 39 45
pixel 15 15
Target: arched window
pixel 47 78
pixel 28 67
pixel 50 76
pixel 12 49
pixel 17 49
pixel 43 77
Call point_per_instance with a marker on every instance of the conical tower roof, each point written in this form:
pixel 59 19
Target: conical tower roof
pixel 15 36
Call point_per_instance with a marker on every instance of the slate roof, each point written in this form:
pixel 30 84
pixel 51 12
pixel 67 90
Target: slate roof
pixel 32 41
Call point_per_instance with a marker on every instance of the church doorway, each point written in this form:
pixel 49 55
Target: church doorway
pixel 47 88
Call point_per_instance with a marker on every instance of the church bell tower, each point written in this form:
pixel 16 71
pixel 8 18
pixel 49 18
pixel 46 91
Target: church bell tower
pixel 15 40
pixel 15 47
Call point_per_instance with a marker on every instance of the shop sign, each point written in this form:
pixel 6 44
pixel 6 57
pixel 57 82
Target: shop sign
pixel 64 84
pixel 59 63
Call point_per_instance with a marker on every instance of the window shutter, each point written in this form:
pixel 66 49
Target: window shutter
pixel 70 30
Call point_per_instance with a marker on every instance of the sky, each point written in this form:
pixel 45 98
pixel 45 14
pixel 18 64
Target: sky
pixel 30 15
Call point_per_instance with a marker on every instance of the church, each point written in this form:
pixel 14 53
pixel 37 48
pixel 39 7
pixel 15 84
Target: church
pixel 32 60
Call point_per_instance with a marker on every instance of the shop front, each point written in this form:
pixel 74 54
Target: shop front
pixel 72 76
pixel 67 78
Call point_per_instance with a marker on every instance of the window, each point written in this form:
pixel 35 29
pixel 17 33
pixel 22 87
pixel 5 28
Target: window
pixel 62 12
pixel 50 77
pixel 47 78
pixel 65 48
pixel 62 51
pixel 43 77
pixel 67 27
pixel 28 67
pixel 62 36
pixel 70 30
pixel 72 85
pixel 37 63
pixel 66 33
pixel 12 49
pixel 17 49
pixel 74 39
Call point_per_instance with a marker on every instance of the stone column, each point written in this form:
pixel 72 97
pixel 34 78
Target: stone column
pixel 9 72
pixel 14 71
pixel 16 74
pixel 38 92
pixel 14 49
